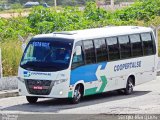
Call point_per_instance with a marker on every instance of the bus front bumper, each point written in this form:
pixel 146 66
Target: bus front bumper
pixel 49 91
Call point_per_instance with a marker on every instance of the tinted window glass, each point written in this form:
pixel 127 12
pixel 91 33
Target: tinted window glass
pixel 148 46
pixel 101 50
pixel 78 60
pixel 136 45
pixel 113 48
pixel 47 54
pixel 125 46
pixel 89 51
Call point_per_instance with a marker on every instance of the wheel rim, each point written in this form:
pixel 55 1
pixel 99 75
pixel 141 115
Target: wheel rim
pixel 77 94
pixel 130 86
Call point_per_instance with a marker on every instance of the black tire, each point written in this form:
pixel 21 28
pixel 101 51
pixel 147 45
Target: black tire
pixel 120 91
pixel 77 95
pixel 129 86
pixel 31 100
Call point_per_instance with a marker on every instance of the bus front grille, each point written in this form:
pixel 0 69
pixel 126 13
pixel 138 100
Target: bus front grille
pixel 38 87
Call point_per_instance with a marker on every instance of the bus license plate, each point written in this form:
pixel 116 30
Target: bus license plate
pixel 37 87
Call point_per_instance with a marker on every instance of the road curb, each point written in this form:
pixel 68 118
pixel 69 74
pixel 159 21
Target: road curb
pixel 9 93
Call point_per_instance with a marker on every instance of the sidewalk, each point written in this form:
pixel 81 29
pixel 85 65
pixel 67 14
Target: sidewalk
pixel 8 93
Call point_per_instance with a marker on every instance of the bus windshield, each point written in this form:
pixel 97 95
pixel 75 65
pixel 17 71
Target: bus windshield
pixel 47 55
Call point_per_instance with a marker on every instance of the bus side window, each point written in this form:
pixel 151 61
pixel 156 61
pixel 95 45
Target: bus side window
pixel 125 46
pixel 89 51
pixel 101 50
pixel 148 46
pixel 136 45
pixel 113 48
pixel 77 60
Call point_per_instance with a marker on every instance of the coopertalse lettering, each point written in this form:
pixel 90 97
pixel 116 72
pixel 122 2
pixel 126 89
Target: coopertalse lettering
pixel 127 66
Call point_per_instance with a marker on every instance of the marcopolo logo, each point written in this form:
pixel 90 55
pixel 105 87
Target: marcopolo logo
pixel 26 74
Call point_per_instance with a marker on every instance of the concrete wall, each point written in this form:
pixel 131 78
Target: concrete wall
pixel 8 83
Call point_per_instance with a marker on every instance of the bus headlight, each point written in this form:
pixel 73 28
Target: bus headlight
pixel 21 79
pixel 56 82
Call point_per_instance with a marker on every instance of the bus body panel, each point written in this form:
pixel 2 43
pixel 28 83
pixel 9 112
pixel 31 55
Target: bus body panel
pixel 109 76
pixel 58 90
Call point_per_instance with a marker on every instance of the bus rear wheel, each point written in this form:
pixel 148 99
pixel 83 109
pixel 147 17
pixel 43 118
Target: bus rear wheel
pixel 77 95
pixel 31 100
pixel 129 86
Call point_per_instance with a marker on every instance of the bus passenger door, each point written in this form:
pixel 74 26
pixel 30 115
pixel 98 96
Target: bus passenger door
pixel 77 64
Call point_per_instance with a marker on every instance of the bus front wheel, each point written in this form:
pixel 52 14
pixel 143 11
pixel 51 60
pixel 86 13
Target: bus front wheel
pixel 77 95
pixel 31 100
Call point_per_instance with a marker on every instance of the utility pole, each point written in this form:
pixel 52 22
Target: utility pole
pixel 112 2
pixel 55 3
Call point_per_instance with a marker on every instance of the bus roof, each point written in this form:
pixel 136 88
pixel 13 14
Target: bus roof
pixel 96 32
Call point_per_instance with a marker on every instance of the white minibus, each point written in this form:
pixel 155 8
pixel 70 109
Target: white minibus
pixel 85 62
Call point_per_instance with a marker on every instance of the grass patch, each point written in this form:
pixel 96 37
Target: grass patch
pixel 11 54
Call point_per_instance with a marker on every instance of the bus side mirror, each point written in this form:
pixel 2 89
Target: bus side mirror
pixel 78 50
pixel 23 46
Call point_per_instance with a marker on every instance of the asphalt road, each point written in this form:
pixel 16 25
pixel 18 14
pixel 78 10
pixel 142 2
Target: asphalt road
pixel 144 100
